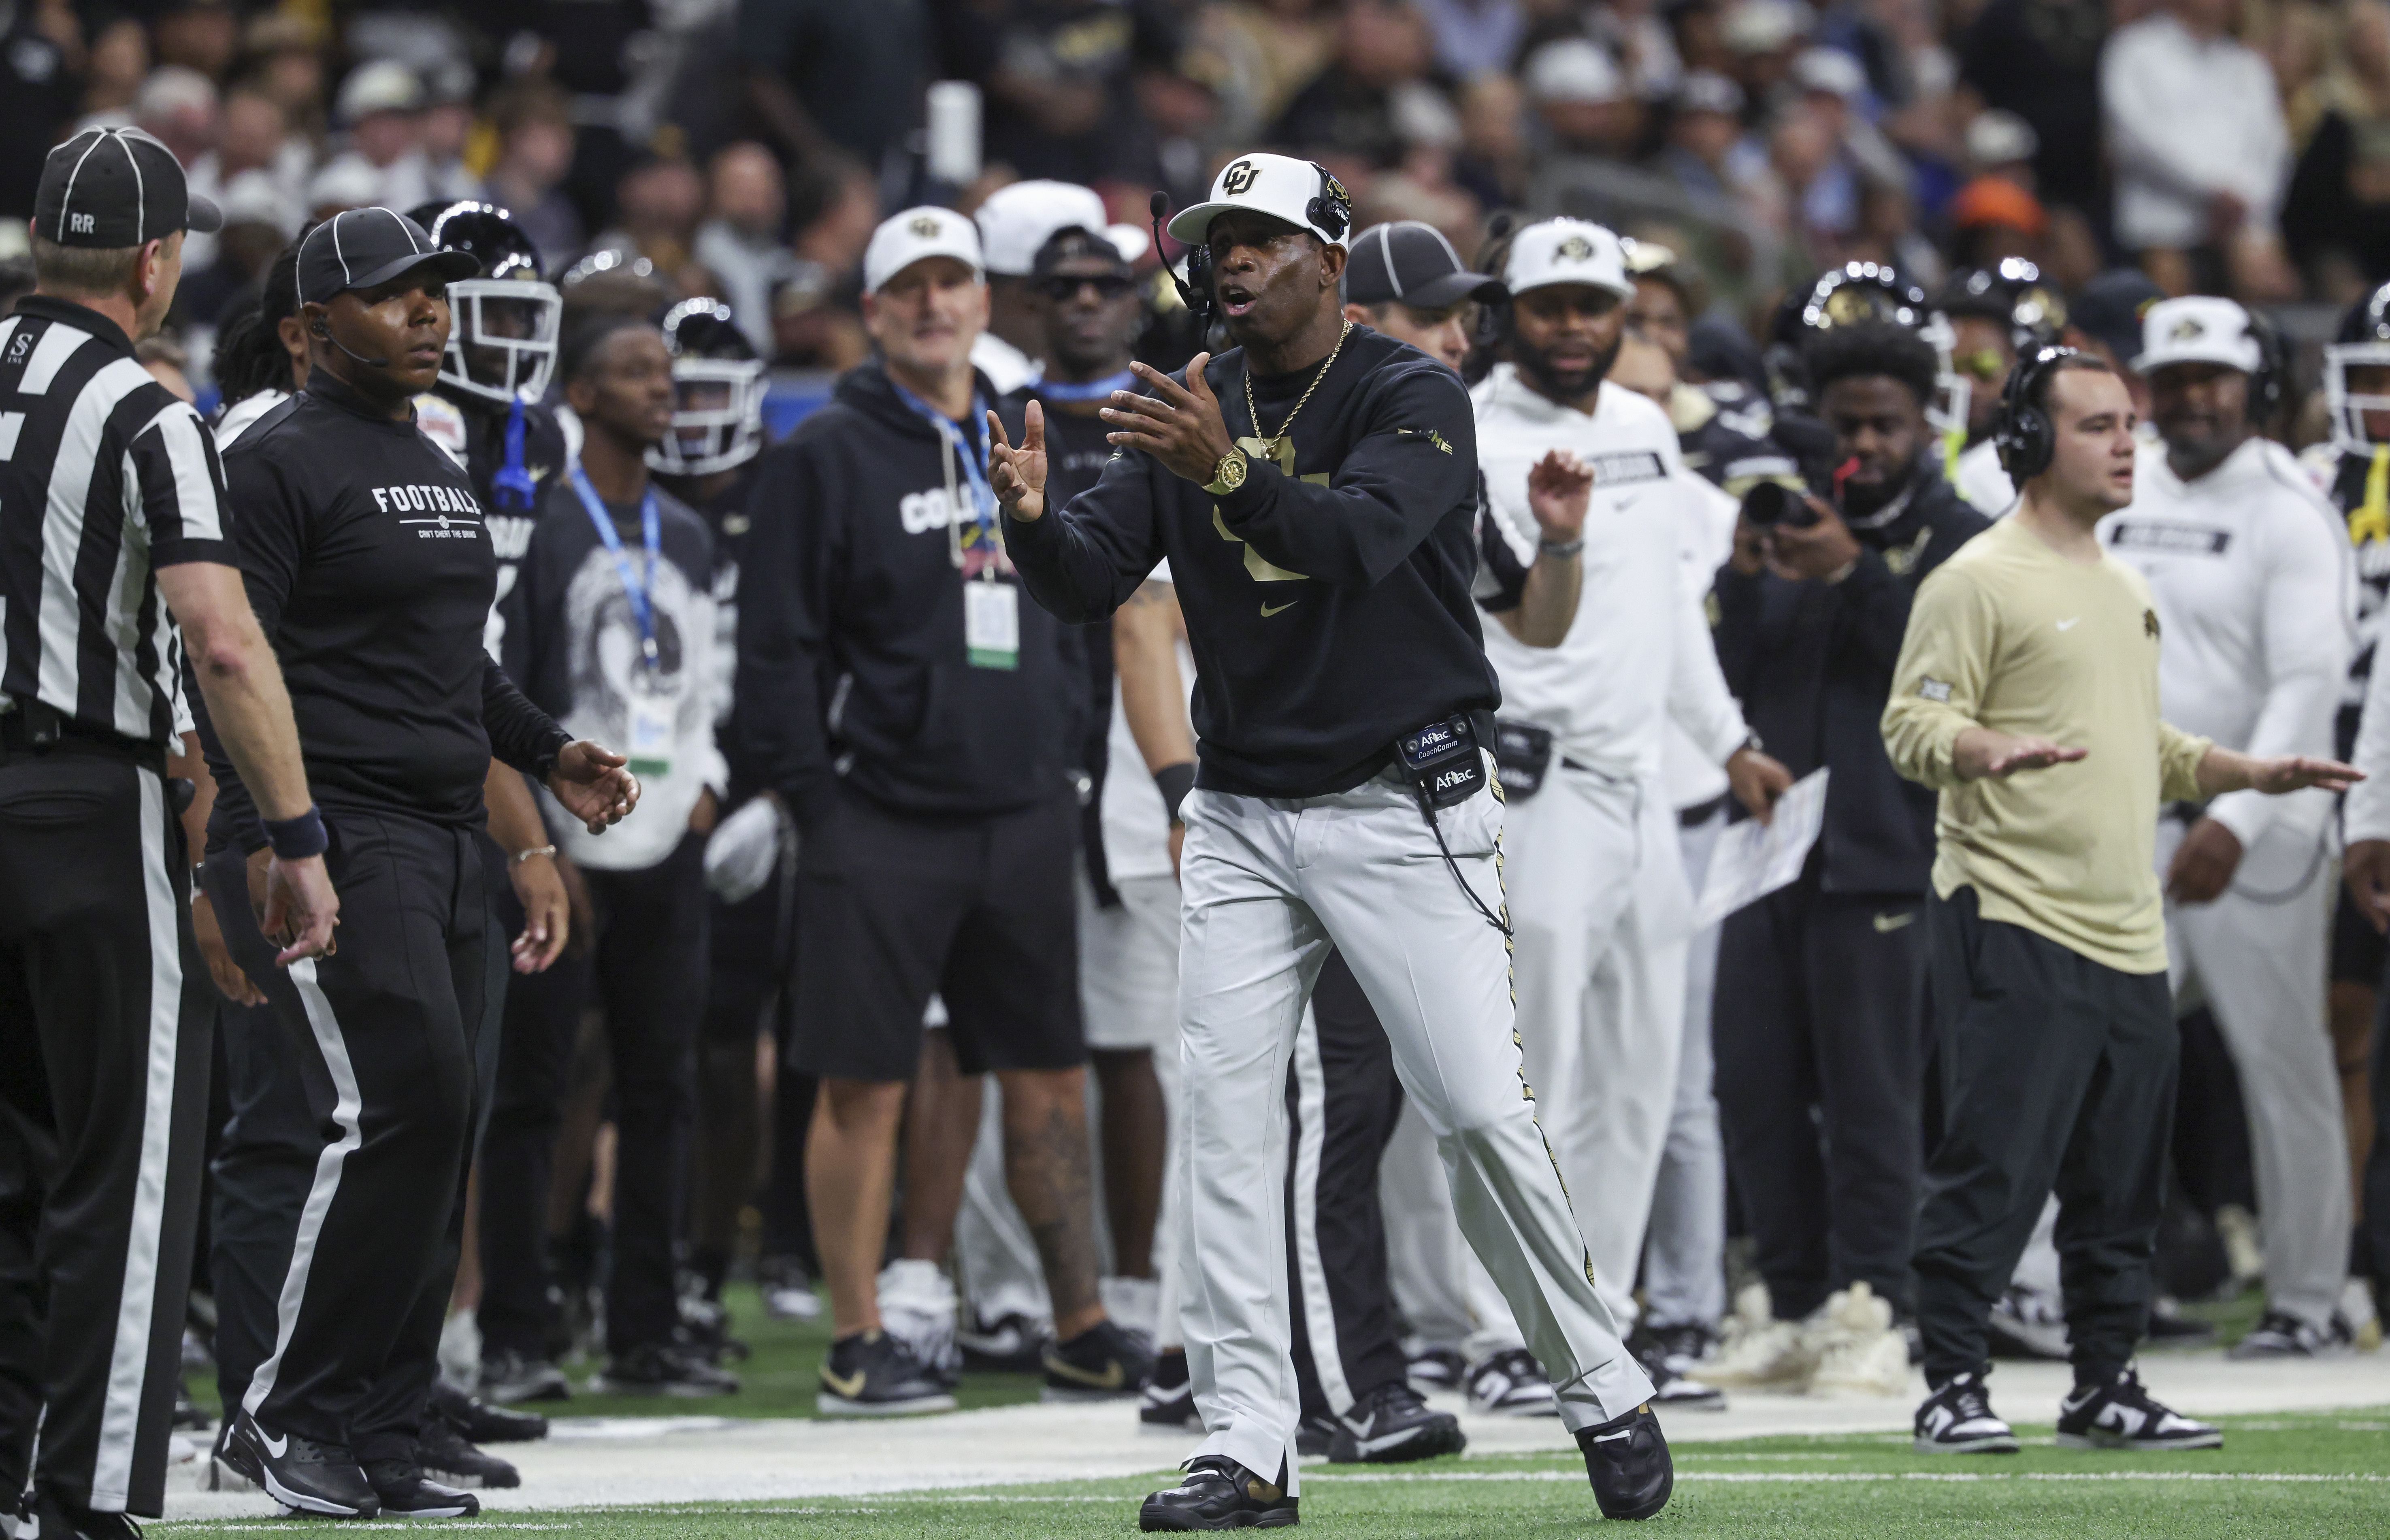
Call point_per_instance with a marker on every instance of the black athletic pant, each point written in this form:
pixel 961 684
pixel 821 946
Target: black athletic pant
pixel 2057 1074
pixel 102 1109
pixel 1342 1100
pixel 2373 1231
pixel 1819 1033
pixel 385 1034
pixel 646 967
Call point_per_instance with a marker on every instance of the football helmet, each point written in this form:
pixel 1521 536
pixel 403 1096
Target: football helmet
pixel 2362 342
pixel 506 323
pixel 1838 297
pixel 717 392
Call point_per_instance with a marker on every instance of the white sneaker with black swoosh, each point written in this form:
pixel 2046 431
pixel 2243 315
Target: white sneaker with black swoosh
pixel 1958 1419
pixel 2121 1415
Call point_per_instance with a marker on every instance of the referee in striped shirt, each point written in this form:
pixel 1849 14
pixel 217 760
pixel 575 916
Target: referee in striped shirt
pixel 111 501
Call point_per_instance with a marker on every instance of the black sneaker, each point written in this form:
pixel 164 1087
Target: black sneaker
pixel 1314 1434
pixel 1436 1368
pixel 510 1378
pixel 1512 1384
pixel 663 1368
pixel 1391 1425
pixel 1012 1344
pixel 1682 1346
pixel 479 1421
pixel 1100 1362
pixel 2121 1415
pixel 45 1515
pixel 1217 1492
pixel 873 1374
pixel 2280 1334
pixel 705 1321
pixel 1626 1459
pixel 18 1519
pixel 1672 1387
pixel 301 1474
pixel 406 1493
pixel 450 1456
pixel 2026 1323
pixel 1958 1419
pixel 1167 1403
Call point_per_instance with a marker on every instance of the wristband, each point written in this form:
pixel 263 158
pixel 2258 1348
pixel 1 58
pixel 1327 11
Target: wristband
pixel 1176 781
pixel 1560 547
pixel 297 839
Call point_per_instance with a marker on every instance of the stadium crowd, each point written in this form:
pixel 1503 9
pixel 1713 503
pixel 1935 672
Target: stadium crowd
pixel 1877 195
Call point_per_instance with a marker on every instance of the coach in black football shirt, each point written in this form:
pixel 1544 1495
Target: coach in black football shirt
pixel 370 570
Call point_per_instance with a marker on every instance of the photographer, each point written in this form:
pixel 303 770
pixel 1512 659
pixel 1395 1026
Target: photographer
pixel 1819 984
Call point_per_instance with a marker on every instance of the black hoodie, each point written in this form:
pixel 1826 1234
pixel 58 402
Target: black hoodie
pixel 851 659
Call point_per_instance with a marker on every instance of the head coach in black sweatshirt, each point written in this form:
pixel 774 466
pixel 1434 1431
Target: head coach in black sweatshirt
pixel 367 562
pixel 921 721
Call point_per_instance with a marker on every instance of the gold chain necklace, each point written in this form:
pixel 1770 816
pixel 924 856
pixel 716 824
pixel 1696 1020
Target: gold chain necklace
pixel 1271 442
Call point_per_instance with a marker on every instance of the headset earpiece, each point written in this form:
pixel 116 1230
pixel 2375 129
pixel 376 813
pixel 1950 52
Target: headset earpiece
pixel 2021 435
pixel 2265 387
pixel 1331 209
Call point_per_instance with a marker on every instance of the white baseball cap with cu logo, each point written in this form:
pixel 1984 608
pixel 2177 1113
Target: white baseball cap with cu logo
pixel 1567 251
pixel 1280 186
pixel 907 237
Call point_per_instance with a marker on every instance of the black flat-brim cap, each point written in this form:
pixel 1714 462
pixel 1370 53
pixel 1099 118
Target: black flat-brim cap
pixel 108 188
pixel 1411 264
pixel 367 248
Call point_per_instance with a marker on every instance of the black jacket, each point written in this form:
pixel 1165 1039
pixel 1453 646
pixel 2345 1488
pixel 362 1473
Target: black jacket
pixel 852 663
pixel 371 574
pixel 473 431
pixel 1812 663
pixel 1329 610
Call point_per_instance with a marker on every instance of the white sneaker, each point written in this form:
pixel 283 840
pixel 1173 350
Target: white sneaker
pixel 917 1307
pixel 1510 1383
pixel 1858 1350
pixel 2357 1305
pixel 460 1351
pixel 1758 1351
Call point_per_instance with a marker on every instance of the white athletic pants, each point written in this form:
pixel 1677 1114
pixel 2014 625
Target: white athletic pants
pixel 2257 954
pixel 1684 1263
pixel 1270 885
pixel 1425 1255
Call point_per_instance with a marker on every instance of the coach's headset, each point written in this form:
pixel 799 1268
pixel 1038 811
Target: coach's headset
pixel 1329 212
pixel 2026 440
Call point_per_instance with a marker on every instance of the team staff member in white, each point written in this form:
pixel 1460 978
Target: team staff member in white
pixel 1324 570
pixel 2256 592
pixel 1600 905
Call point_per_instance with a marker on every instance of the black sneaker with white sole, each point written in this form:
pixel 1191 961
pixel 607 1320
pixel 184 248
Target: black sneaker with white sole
pixel 1314 1434
pixel 663 1368
pixel 1102 1362
pixel 1217 1492
pixel 1626 1459
pixel 1512 1384
pixel 1391 1425
pixel 2121 1415
pixel 1436 1368
pixel 448 1455
pixel 48 1517
pixel 1167 1403
pixel 481 1422
pixel 873 1374
pixel 1958 1419
pixel 1672 1387
pixel 508 1378
pixel 1682 1346
pixel 301 1474
pixel 1012 1345
pixel 406 1493
pixel 2280 1334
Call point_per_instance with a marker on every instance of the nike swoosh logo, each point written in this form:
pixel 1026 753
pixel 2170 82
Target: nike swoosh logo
pixel 1113 1378
pixel 2069 626
pixel 849 1388
pixel 1887 924
pixel 1268 610
pixel 274 1447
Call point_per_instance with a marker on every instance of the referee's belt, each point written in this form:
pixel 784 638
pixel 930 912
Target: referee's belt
pixel 33 727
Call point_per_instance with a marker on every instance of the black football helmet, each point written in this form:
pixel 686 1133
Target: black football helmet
pixel 1844 295
pixel 2014 293
pixel 503 339
pixel 2363 342
pixel 717 391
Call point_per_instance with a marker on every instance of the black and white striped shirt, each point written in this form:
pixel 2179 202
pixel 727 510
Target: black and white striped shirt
pixel 105 476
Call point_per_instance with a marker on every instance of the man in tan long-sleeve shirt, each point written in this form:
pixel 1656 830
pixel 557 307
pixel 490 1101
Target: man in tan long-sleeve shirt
pixel 2028 695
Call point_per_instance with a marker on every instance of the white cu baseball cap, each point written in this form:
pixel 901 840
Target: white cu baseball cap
pixel 2198 328
pixel 1018 219
pixel 1280 186
pixel 907 237
pixel 1567 251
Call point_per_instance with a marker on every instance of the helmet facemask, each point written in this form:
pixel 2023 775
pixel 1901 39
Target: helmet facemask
pixel 2347 408
pixel 503 338
pixel 717 416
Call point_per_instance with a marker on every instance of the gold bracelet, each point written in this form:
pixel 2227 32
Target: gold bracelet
pixel 520 856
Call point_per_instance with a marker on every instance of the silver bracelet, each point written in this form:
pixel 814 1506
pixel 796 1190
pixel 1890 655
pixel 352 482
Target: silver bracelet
pixel 1560 547
pixel 520 856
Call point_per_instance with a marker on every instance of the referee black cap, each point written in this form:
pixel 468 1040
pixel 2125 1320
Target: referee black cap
pixel 108 188
pixel 367 247
pixel 1410 262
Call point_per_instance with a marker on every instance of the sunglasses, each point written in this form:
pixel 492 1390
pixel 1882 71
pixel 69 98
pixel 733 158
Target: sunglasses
pixel 1982 364
pixel 1108 286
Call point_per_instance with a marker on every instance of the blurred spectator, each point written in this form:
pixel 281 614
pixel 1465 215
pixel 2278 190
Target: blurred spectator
pixel 260 219
pixel 1993 217
pixel 1349 112
pixel 16 281
pixel 445 129
pixel 1703 131
pixel 1060 101
pixel 656 207
pixel 535 129
pixel 380 105
pixel 835 76
pixel 1582 99
pixel 120 62
pixel 198 36
pixel 2039 59
pixel 1493 158
pixel 1635 34
pixel 2336 219
pixel 284 63
pixel 1761 37
pixel 1475 37
pixel 1254 55
pixel 37 101
pixel 178 104
pixel 347 183
pixel 2105 320
pixel 2001 143
pixel 740 242
pixel 253 137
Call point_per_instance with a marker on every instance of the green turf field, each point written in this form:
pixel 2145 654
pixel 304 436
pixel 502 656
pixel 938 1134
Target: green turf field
pixel 2309 1477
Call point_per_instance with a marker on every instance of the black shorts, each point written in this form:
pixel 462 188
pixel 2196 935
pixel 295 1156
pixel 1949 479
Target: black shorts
pixel 892 907
pixel 2358 951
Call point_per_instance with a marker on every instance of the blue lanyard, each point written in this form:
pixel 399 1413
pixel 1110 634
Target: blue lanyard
pixel 971 452
pixel 1094 390
pixel 511 488
pixel 640 591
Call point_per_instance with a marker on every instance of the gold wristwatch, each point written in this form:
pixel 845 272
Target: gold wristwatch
pixel 1228 475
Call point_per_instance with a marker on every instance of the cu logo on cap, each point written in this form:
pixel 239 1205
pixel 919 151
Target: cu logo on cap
pixel 924 227
pixel 1238 178
pixel 2187 329
pixel 1576 248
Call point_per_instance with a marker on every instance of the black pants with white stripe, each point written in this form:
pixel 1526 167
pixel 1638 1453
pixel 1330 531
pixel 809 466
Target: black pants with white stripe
pixel 386 1034
pixel 1342 1100
pixel 103 1109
